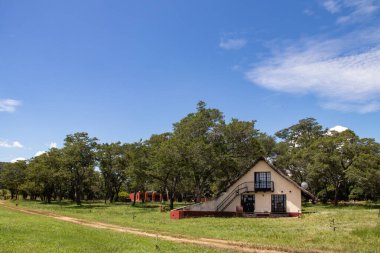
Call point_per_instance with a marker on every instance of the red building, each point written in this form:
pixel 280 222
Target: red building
pixel 148 196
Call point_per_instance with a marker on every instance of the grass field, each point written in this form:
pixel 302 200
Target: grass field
pixel 28 233
pixel 357 228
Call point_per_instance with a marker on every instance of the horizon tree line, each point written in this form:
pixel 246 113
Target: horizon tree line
pixel 201 155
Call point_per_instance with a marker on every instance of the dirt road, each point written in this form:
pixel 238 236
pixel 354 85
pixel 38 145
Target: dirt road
pixel 213 243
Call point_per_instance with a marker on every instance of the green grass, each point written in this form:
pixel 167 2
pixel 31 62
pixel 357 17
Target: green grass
pixel 28 233
pixel 357 226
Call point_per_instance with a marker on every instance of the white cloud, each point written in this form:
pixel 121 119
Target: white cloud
pixel 14 144
pixel 18 159
pixel 39 153
pixel 53 145
pixel 338 129
pixel 9 105
pixel 229 44
pixel 343 72
pixel 351 11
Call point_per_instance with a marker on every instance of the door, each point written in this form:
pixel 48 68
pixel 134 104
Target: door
pixel 248 203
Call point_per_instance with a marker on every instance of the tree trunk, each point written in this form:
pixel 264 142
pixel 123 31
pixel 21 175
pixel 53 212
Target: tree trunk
pixel 336 197
pixel 134 198
pixel 171 201
pixel 77 197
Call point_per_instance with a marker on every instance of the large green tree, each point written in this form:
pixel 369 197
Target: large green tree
pixel 365 171
pixel 237 145
pixel 113 163
pixel 167 165
pixel 137 174
pixel 194 138
pixel 79 157
pixel 331 157
pixel 292 152
pixel 46 177
pixel 13 176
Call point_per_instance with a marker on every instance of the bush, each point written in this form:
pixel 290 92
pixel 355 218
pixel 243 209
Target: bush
pixel 325 195
pixel 124 197
pixel 4 194
pixel 356 193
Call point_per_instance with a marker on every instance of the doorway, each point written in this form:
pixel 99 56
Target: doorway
pixel 248 203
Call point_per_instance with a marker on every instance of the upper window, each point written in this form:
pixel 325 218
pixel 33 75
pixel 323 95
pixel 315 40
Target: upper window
pixel 262 177
pixel 263 181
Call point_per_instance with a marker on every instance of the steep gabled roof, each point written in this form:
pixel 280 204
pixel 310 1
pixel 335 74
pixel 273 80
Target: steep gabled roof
pixel 305 192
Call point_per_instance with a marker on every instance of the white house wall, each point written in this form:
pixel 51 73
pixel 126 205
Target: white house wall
pixel 262 199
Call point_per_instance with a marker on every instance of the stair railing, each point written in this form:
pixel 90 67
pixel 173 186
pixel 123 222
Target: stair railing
pixel 241 188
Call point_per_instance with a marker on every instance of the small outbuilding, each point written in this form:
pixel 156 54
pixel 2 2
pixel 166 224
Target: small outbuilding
pixel 262 191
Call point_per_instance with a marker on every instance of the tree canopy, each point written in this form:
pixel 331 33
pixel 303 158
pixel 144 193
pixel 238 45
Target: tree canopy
pixel 201 154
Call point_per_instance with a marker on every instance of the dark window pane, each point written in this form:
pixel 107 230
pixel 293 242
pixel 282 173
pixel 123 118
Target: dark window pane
pixel 278 203
pixel 263 181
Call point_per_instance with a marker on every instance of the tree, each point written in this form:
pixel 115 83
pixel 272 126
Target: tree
pixel 138 178
pixel 39 178
pixel 238 145
pixel 113 163
pixel 13 176
pixel 79 155
pixel 331 157
pixel 365 171
pixel 59 173
pixel 45 176
pixel 166 165
pixel 292 154
pixel 194 137
pixel 268 144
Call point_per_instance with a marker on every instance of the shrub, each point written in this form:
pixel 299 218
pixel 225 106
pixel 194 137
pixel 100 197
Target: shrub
pixel 124 197
pixel 4 194
pixel 356 193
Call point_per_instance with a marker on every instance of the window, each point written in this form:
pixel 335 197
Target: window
pixel 263 181
pixel 278 203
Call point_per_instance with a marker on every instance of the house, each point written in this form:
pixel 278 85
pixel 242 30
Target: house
pixel 263 190
pixel 148 196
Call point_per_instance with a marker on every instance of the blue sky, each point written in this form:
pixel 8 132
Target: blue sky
pixel 123 70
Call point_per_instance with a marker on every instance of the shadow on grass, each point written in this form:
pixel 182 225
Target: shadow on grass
pixel 99 204
pixel 70 204
pixel 88 206
pixel 354 205
pixel 321 206
pixel 145 206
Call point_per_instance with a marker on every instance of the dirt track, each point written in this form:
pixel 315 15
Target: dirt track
pixel 213 243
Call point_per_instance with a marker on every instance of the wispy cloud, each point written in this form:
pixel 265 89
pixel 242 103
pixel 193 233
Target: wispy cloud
pixel 332 6
pixel 351 11
pixel 9 105
pixel 14 144
pixel 343 72
pixel 308 12
pixel 230 44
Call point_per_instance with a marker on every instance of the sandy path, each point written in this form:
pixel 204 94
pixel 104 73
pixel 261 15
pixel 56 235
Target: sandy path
pixel 213 243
